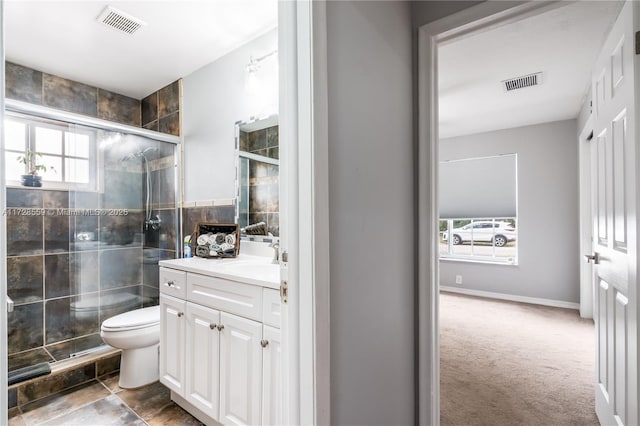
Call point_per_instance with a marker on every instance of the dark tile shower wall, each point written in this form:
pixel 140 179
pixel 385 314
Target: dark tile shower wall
pixel 60 265
pixel 160 244
pixel 58 276
pixel 263 178
pixel 36 87
pixel 159 111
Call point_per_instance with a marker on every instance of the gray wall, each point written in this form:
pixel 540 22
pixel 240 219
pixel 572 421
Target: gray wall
pixel 371 195
pixel 214 98
pixel 548 211
pixel 424 12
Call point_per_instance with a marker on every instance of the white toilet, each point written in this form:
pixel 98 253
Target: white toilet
pixel 137 333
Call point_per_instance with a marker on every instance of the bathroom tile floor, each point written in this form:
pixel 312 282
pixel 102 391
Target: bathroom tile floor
pixel 103 402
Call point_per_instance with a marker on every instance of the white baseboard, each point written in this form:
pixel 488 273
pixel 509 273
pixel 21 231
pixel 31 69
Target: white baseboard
pixel 511 297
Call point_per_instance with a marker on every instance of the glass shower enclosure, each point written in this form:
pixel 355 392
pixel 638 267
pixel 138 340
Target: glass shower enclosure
pixel 85 245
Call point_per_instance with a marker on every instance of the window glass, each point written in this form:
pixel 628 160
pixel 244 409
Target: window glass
pixel 76 145
pixel 13 168
pixel 14 136
pixel 48 141
pixel 54 168
pixel 77 170
pixel 486 239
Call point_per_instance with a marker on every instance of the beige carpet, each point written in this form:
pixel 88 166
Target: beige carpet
pixel 506 363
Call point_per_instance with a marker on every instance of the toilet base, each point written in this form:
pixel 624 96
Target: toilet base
pixel 139 367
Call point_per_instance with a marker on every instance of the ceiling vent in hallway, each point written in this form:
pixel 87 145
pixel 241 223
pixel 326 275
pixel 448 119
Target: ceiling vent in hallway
pixel 120 21
pixel 522 82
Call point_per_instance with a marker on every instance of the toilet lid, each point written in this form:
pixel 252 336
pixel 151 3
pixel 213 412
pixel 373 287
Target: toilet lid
pixel 108 301
pixel 137 318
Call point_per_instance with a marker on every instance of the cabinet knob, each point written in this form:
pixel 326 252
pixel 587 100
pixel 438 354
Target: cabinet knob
pixel 264 343
pixel 170 283
pixel 212 326
pixel 220 327
pixel 180 314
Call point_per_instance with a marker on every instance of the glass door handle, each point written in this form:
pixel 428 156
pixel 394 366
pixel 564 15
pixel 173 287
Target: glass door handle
pixel 9 304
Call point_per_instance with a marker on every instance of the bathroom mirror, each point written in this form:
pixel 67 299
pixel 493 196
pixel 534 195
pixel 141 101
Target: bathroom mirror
pixel 258 173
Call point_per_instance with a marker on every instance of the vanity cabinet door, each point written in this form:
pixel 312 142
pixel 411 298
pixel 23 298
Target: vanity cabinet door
pixel 240 370
pixel 203 359
pixel 271 382
pixel 172 343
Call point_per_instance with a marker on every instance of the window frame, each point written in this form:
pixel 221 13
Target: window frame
pixel 31 124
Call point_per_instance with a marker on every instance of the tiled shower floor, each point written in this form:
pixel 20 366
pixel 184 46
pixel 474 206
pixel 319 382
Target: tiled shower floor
pixel 103 402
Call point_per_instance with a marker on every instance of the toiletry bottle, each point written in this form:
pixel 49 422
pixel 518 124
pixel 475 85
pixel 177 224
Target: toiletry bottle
pixel 187 246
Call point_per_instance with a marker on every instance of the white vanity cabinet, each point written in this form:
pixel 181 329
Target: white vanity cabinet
pixel 220 348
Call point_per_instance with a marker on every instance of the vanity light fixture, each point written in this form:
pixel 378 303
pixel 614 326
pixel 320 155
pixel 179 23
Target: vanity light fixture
pixel 251 84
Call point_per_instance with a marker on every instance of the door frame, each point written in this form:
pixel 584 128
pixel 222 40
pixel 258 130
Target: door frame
pixel 474 20
pixel 304 200
pixel 586 230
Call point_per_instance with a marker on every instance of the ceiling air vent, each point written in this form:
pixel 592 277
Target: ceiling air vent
pixel 120 21
pixel 522 82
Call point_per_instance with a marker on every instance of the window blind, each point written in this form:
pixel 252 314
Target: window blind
pixel 478 187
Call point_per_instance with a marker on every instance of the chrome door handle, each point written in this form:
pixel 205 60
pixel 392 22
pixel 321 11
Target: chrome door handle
pixel 10 304
pixel 595 258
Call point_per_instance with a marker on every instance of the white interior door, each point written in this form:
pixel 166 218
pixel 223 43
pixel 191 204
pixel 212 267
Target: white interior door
pixel 614 164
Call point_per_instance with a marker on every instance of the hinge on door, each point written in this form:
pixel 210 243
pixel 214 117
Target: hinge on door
pixel 284 256
pixel 637 42
pixel 284 292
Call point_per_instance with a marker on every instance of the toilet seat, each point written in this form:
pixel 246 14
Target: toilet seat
pixel 133 320
pixel 93 303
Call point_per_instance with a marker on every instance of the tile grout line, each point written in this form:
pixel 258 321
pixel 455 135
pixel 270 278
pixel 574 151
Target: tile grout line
pixel 131 409
pixel 124 403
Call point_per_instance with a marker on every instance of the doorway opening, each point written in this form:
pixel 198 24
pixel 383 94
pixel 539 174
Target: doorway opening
pixel 471 124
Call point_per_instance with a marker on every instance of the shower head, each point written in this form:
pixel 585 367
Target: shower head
pixel 128 157
pixel 138 154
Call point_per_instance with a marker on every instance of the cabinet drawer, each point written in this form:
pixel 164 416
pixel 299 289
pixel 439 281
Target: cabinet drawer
pixel 271 307
pixel 229 296
pixel 173 283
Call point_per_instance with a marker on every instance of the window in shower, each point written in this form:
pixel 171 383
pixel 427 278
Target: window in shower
pixel 68 153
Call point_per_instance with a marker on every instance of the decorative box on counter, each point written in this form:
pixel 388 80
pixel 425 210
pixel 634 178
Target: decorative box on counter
pixel 216 240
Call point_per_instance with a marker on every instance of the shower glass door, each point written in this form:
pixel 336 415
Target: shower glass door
pixel 85 245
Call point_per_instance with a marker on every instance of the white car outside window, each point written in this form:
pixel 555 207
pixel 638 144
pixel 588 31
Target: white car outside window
pixel 500 233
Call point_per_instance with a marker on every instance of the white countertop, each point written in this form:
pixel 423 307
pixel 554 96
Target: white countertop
pixel 256 270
